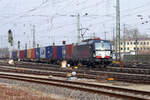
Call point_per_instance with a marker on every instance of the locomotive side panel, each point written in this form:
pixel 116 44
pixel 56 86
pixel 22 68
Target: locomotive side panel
pixel 82 52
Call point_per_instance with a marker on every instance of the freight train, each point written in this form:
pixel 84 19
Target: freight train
pixel 4 53
pixel 89 52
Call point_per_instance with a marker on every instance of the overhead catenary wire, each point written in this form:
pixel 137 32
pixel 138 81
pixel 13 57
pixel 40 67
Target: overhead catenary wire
pixel 127 15
pixel 123 16
pixel 24 13
pixel 62 5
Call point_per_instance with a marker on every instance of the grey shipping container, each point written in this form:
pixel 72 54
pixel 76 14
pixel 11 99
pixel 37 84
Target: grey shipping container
pixel 4 53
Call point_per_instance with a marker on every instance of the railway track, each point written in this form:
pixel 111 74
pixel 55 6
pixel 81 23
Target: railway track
pixel 99 75
pixel 128 70
pixel 117 92
pixel 132 70
pixel 119 74
pixel 144 65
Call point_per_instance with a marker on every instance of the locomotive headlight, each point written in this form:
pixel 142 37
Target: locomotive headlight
pixel 98 53
pixel 94 55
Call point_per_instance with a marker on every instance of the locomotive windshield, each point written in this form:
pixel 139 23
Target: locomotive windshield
pixel 103 46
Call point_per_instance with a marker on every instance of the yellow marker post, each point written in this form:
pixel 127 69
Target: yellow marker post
pixel 110 79
pixel 69 74
pixel 80 65
pixel 121 64
pixel 75 67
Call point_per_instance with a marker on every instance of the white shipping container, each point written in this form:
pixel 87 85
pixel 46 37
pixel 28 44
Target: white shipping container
pixel 42 52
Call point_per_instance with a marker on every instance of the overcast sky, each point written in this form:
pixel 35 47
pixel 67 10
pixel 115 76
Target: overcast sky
pixel 53 21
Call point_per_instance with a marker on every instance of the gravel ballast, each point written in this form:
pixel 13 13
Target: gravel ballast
pixel 58 93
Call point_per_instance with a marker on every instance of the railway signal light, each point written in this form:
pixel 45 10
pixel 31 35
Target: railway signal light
pixel 10 37
pixel 63 42
pixel 18 44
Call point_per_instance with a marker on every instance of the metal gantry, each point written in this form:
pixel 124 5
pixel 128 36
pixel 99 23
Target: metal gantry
pixel 118 54
pixel 78 28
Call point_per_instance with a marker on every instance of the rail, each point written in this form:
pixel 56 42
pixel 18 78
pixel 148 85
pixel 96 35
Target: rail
pixel 88 87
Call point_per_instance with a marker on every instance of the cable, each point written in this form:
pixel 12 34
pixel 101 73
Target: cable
pixel 59 27
pixel 127 15
pixel 93 5
pixel 68 4
pixel 28 11
pixel 87 8
pixel 129 10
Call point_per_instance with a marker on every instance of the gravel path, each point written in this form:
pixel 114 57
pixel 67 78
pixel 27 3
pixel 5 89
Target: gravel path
pixel 11 92
pixel 58 93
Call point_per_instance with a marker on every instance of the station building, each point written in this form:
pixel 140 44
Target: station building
pixel 139 45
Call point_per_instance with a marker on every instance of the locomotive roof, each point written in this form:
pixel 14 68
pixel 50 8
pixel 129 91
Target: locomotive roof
pixel 91 42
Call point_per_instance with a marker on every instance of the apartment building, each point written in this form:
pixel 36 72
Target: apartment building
pixel 140 45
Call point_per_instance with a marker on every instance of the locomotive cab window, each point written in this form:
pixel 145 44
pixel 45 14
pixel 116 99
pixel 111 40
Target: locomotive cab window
pixel 102 46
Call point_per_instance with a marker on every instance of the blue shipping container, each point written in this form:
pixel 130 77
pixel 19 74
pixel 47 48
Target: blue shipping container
pixel 42 52
pixel 37 52
pixel 59 52
pixel 25 54
pixel 49 52
pixel 13 54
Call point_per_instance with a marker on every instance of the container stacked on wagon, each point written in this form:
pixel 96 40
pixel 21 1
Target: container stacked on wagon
pixel 87 52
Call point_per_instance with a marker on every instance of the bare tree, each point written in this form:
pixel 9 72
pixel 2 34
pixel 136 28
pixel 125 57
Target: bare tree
pixel 133 33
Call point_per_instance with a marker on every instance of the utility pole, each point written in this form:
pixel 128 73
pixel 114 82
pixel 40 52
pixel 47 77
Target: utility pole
pixel 1 41
pixel 78 28
pixel 18 45
pixel 135 32
pixel 26 46
pixel 116 44
pixel 124 31
pixel 113 34
pixel 38 46
pixel 114 39
pixel 118 29
pixel 94 36
pixel 18 49
pixel 33 36
pixel 105 35
pixel 11 41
